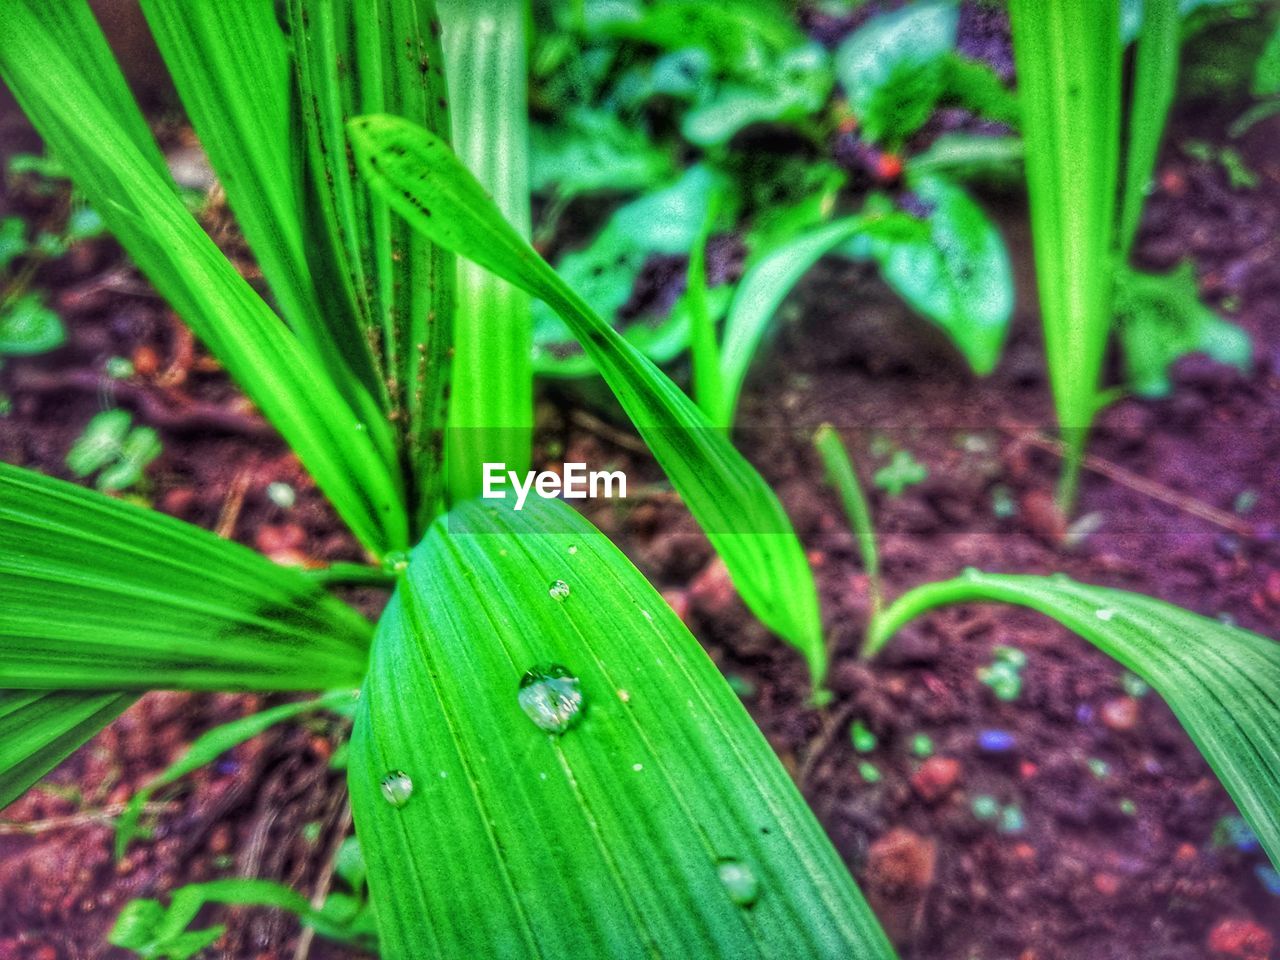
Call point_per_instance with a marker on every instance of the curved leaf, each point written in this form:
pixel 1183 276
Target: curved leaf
pixel 421 178
pixel 1220 681
pixel 96 595
pixel 628 835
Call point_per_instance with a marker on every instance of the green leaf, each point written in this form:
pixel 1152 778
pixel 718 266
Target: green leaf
pixel 381 56
pixel 958 276
pixel 213 744
pixel 140 447
pixel 626 836
pixel 1220 681
pixel 593 151
pixel 963 156
pixel 974 85
pixel 1162 319
pixel 27 327
pixel 1069 85
pixel 762 290
pixel 1266 72
pixel 901 472
pixel 792 90
pixel 58 65
pixel 97 594
pixel 100 443
pixel 491 404
pixel 893 68
pixel 1154 85
pixel 13 239
pixel 40 728
pixel 416 172
pixel 604 272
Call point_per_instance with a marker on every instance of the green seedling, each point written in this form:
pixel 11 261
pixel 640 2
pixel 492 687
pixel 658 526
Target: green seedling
pixel 902 471
pixel 841 473
pixel 114 449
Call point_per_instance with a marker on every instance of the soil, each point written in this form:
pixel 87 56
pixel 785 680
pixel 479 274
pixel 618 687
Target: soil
pixel 1105 843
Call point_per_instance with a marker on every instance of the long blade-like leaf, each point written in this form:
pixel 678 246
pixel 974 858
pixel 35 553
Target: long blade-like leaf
pixel 1220 681
pixel 56 61
pixel 1155 78
pixel 491 403
pixel 382 56
pixel 97 595
pixel 40 728
pixel 661 824
pixel 231 65
pixel 1068 60
pixel 423 181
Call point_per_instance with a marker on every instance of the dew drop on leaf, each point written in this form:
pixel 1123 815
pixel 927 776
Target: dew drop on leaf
pixel 559 590
pixel 551 697
pixel 1104 614
pixel 396 787
pixel 739 881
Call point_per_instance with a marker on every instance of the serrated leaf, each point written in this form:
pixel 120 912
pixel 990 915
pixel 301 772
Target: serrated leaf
pixel 40 728
pixel 627 818
pixel 417 173
pixel 1219 680
pixel 28 327
pixel 96 594
pixel 893 68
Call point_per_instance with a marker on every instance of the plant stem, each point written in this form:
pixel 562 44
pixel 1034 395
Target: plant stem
pixel 841 472
pixel 708 387
pixel 491 404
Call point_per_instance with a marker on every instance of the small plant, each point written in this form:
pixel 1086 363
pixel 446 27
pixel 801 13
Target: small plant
pixel 114 449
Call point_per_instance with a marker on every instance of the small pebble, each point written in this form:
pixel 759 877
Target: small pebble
pixel 1240 938
pixel 996 741
pixel 936 778
pixel 1120 715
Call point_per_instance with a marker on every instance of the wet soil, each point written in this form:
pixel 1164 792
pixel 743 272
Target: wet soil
pixel 1109 851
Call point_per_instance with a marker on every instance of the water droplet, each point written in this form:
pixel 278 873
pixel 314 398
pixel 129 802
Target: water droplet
pixel 637 767
pixel 551 697
pixel 624 696
pixel 971 573
pixel 1104 614
pixel 739 881
pixel 646 614
pixel 397 788
pixel 572 551
pixel 397 561
pixel 559 590
pixel 360 427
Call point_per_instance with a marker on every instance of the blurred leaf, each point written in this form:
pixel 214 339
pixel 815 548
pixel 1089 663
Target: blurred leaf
pixel 902 471
pixel 40 728
pixel 974 85
pixel 791 90
pixel 1162 319
pixel 27 327
pixel 956 273
pixel 209 746
pixel 894 68
pixel 1266 72
pixel 604 273
pixel 140 447
pixel 13 239
pixel 634 817
pixel 1220 681
pixel 591 151
pixel 418 174
pixel 964 156
pixel 100 442
pixel 96 594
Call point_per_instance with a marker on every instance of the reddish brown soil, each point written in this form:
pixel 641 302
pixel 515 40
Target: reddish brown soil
pixel 1082 880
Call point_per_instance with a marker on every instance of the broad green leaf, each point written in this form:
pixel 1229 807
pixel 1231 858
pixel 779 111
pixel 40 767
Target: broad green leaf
pixel 762 290
pixel 604 272
pixel 40 728
pixel 97 594
pixel 491 404
pixel 214 743
pixel 27 327
pixel 975 85
pixel 1160 318
pixel 630 834
pixel 791 90
pixel 593 151
pixel 100 443
pixel 893 68
pixel 1069 86
pixel 1220 681
pixel 381 56
pixel 958 276
pixel 422 179
pixel 57 63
